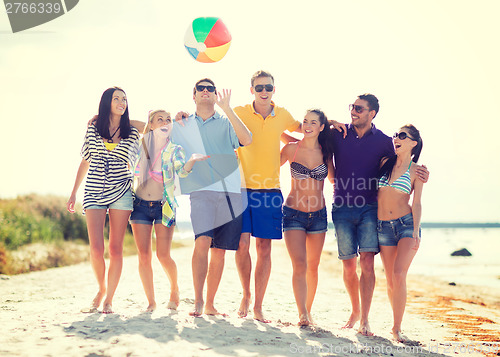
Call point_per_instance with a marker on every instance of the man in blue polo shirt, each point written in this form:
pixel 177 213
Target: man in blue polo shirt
pixel 214 187
pixel 354 213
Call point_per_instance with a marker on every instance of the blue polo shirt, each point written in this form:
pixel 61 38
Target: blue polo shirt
pixel 357 161
pixel 214 137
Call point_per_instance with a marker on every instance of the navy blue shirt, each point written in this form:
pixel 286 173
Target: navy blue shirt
pixel 357 161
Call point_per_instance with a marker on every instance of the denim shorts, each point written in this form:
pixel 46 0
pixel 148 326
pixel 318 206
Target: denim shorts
pixel 310 222
pixel 391 232
pixel 146 212
pixel 356 229
pixel 213 216
pixel 262 217
pixel 125 203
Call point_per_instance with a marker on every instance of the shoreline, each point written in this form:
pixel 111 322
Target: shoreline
pixel 41 314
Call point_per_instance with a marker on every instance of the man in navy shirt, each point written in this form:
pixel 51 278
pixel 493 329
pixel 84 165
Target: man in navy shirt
pixel 357 159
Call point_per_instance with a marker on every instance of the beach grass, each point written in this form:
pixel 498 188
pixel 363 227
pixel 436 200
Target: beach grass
pixel 37 233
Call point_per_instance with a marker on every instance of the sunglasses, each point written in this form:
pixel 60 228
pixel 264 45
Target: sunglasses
pixel 402 135
pixel 358 108
pixel 201 88
pixel 268 87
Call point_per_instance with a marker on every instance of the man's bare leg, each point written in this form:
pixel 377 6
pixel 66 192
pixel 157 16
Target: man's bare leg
pixel 366 287
pixel 244 265
pixel 262 273
pixel 200 268
pixel 214 276
pixel 351 282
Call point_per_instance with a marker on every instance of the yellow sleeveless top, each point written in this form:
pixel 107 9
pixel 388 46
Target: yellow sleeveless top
pixel 110 146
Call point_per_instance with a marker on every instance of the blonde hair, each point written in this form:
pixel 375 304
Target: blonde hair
pixel 151 116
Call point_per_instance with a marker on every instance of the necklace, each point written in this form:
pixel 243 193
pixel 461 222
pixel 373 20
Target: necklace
pixel 110 140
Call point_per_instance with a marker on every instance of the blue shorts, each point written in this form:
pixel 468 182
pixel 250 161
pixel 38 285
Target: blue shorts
pixel 390 232
pixel 310 222
pixel 125 203
pixel 356 229
pixel 146 212
pixel 262 218
pixel 213 216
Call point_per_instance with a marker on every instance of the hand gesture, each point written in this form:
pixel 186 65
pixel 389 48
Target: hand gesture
pixel 70 205
pixel 223 98
pixel 180 117
pixel 198 157
pixel 340 127
pixel 422 173
pixel 416 236
pixel 92 121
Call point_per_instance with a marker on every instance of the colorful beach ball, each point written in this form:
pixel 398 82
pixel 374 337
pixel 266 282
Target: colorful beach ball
pixel 207 39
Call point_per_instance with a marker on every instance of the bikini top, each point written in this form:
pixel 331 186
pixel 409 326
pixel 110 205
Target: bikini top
pixel 300 172
pixel 403 182
pixel 156 175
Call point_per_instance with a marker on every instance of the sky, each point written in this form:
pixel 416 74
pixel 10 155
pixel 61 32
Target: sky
pixel 431 63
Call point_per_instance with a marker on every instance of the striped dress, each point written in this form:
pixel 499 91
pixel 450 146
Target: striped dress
pixel 109 177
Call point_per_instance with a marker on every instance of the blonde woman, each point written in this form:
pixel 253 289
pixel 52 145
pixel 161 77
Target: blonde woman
pixel 159 160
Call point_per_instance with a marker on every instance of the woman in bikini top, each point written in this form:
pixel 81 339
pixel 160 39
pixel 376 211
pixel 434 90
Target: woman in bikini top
pixel 304 212
pixel 398 221
pixel 159 160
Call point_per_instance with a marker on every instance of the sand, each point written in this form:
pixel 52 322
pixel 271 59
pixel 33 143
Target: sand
pixel 40 316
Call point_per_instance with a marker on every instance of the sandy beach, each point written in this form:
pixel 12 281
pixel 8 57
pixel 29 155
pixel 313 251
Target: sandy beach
pixel 41 316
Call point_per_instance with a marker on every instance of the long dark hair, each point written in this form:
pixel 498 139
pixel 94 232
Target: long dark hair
pixel 323 138
pixel 102 123
pixel 386 169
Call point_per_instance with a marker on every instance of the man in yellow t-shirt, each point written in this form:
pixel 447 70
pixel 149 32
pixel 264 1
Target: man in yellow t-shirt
pixel 260 164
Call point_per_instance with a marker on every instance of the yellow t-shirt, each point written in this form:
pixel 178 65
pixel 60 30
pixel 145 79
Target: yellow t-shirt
pixel 260 161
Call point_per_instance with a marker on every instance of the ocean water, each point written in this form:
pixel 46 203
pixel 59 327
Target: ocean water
pixel 482 268
pixel 434 255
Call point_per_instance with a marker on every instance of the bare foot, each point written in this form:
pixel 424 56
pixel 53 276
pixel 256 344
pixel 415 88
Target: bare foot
pixel 151 307
pixel 304 320
pixel 107 308
pixel 257 315
pixel 172 305
pixel 352 321
pixel 174 300
pixel 89 310
pixel 244 307
pixel 198 309
pixel 212 311
pixel 398 336
pixel 364 329
pixel 95 303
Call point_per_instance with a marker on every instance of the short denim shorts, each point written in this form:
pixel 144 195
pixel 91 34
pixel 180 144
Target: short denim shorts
pixel 310 222
pixel 262 217
pixel 125 203
pixel 146 212
pixel 391 232
pixel 356 229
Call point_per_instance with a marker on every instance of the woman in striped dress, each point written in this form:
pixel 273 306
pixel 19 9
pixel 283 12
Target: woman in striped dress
pixel 304 211
pixel 107 154
pixel 398 221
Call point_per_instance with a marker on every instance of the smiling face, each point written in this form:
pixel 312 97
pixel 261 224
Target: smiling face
pixel 363 119
pixel 264 97
pixel 118 103
pixel 402 146
pixel 311 125
pixel 163 122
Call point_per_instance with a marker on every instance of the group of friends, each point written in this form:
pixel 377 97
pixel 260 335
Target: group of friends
pixel 132 179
